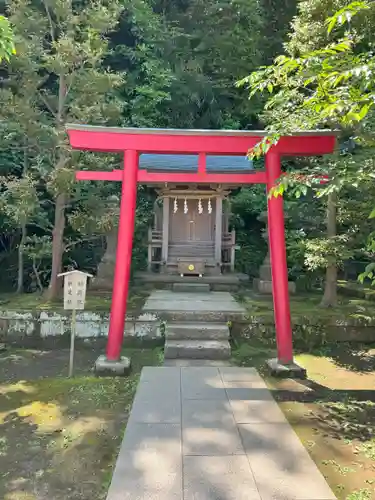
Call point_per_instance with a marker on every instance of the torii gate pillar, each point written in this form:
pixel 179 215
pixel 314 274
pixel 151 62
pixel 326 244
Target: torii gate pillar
pixel 123 255
pixel 280 291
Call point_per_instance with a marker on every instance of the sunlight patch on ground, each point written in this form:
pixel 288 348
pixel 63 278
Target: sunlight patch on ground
pixel 47 417
pixel 74 433
pixel 20 386
pixel 20 495
pixel 325 371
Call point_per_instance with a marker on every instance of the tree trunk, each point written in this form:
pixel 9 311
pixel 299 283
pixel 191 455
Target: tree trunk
pixel 330 289
pixel 57 246
pixel 60 202
pixel 21 249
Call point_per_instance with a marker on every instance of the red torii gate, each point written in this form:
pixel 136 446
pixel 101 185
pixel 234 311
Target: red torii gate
pixel 133 141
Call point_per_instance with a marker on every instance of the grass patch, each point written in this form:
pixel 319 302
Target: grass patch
pixel 62 435
pixel 306 305
pixel 95 301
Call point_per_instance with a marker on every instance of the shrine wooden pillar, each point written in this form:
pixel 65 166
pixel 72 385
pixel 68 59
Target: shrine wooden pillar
pixel 165 230
pixel 123 255
pixel 218 228
pixel 279 267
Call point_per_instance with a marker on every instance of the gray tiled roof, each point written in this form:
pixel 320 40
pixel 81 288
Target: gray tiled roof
pixel 189 163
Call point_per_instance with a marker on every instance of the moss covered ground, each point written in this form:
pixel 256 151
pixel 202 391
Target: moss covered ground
pixel 95 301
pixel 58 436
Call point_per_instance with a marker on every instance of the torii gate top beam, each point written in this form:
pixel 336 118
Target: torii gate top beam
pixel 229 142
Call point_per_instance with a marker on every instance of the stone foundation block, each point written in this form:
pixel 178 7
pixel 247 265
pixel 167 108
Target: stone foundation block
pixel 105 367
pixel 281 370
pixel 265 287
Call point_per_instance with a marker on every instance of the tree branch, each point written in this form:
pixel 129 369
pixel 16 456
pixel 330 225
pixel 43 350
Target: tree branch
pixel 47 104
pixel 82 240
pixel 48 228
pixel 52 29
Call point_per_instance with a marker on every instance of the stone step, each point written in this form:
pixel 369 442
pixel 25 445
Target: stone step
pixel 182 362
pixel 197 349
pixel 197 331
pixel 191 287
pixel 200 316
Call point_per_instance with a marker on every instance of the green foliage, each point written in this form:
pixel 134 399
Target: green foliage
pixel 138 63
pixel 174 64
pixel 57 76
pixel 7 47
pixel 247 207
pixel 328 86
pixel 18 199
pixel 346 14
pixel 325 81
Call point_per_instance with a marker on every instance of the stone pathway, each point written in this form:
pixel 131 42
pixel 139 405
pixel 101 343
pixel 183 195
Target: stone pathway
pixel 207 433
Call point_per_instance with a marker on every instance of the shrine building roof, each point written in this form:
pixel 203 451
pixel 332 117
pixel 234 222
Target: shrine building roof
pixel 189 163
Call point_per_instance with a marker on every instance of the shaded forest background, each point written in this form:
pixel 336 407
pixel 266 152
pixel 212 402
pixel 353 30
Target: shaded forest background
pixel 163 63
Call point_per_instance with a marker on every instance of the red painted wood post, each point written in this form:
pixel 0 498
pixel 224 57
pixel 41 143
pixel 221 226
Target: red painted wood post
pixel 279 267
pixel 123 255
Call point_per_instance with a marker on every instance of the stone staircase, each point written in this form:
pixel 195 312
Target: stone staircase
pixel 196 322
pixel 190 340
pixel 197 341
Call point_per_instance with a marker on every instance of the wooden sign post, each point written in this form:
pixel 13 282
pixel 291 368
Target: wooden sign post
pixel 75 285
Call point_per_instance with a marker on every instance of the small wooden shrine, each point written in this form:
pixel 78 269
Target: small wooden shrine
pixel 191 233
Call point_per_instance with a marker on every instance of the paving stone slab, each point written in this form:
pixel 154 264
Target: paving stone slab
pixel 202 383
pixel 218 478
pixel 250 411
pixel 199 372
pixel 171 389
pixel 232 374
pixel 200 411
pixel 249 394
pixel 159 409
pixel 153 438
pixel 145 475
pixel 215 439
pixel 159 373
pixel 282 467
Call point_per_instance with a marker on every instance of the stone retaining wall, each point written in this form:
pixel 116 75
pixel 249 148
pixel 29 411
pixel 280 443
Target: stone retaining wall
pixel 149 326
pixel 88 325
pixel 313 330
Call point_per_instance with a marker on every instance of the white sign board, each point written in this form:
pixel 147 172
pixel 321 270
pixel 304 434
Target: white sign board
pixel 75 285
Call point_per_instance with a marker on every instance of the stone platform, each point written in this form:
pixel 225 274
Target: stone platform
pixel 223 282
pixel 211 306
pixel 211 434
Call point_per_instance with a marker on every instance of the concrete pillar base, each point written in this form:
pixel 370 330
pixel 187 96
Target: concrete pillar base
pixel 105 367
pixel 265 286
pixel 281 370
